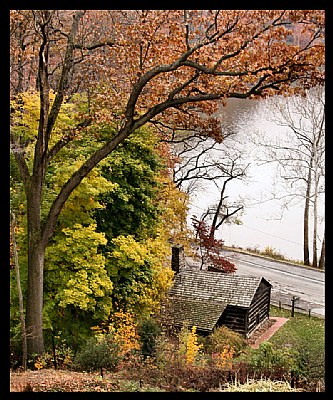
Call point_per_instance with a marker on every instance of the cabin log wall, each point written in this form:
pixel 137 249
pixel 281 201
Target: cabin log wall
pixel 245 321
pixel 259 309
pixel 234 318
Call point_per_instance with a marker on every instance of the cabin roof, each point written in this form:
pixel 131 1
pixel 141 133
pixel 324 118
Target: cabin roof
pixel 196 312
pixel 200 297
pixel 232 289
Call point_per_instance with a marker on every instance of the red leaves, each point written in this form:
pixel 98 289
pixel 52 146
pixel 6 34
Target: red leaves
pixel 210 248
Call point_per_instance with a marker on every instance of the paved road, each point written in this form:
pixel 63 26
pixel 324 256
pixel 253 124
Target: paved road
pixel 287 281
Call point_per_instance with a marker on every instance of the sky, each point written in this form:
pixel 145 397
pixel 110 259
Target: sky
pixel 263 224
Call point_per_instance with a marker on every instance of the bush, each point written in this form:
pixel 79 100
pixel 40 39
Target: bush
pixel 64 357
pixel 267 360
pixel 189 350
pixel 98 353
pixel 310 362
pixel 222 337
pixel 148 332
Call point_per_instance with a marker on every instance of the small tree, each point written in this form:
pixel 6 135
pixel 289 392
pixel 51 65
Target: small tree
pixel 210 248
pixel 20 296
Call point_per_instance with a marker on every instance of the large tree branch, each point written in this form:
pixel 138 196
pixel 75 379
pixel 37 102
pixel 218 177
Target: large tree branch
pixel 88 165
pixel 68 63
pixel 66 138
pixel 76 179
pixel 94 46
pixel 228 215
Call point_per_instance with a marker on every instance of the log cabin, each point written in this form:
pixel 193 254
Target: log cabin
pixel 208 299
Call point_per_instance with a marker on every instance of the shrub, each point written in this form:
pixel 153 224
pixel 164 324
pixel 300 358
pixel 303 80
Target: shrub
pixel 164 351
pixel 189 349
pixel 267 360
pixel 123 330
pixel 98 353
pixel 221 338
pixel 148 332
pixel 309 361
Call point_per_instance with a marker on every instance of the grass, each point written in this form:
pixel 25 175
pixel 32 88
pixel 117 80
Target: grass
pixel 306 336
pixel 299 329
pixel 262 385
pixel 268 252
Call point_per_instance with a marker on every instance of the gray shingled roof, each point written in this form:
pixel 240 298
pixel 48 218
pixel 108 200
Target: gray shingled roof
pixel 237 290
pixel 196 312
pixel 201 296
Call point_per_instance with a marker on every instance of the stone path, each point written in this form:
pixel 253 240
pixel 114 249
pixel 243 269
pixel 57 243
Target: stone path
pixel 267 333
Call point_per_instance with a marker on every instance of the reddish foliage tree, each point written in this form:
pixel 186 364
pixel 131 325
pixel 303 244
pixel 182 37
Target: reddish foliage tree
pixel 210 248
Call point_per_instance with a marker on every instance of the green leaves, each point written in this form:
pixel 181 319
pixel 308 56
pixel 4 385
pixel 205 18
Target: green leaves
pixel 131 208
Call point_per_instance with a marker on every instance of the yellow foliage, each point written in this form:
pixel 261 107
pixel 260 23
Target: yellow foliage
pixel 174 205
pixel 124 330
pixel 40 363
pixel 83 198
pixel 25 119
pixel 85 284
pixel 224 358
pixel 189 347
pixel 154 252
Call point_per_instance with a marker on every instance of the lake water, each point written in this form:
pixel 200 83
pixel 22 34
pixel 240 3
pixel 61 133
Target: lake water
pixel 264 223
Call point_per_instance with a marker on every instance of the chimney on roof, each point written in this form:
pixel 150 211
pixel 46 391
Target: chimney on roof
pixel 178 258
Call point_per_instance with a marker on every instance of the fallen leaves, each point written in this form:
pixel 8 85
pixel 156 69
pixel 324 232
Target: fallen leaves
pixel 49 380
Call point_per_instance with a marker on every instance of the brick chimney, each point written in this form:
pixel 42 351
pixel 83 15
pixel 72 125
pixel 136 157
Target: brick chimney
pixel 178 258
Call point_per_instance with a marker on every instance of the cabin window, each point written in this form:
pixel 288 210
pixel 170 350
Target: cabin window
pixel 257 319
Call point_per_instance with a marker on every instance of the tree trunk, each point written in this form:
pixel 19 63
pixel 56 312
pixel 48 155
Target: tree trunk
pixel 34 320
pixel 322 254
pixel 306 253
pixel 315 225
pixel 36 254
pixel 216 215
pixel 20 296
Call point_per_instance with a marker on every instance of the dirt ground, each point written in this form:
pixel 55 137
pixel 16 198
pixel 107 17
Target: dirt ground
pixel 50 380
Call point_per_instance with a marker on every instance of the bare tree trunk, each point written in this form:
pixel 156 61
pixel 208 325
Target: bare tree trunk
pixel 19 290
pixel 217 213
pixel 315 225
pixel 322 254
pixel 306 253
pixel 317 166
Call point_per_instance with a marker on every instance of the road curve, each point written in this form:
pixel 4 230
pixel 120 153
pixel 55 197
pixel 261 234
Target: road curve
pixel 307 285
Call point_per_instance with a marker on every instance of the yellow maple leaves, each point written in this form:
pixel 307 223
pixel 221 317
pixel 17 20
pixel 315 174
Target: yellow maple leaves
pixel 188 346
